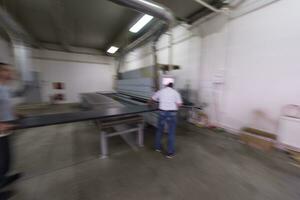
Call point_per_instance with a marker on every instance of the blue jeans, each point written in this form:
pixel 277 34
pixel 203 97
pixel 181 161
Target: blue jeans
pixel 170 118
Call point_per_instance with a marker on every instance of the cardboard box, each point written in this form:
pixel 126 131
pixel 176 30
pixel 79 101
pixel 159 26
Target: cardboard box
pixel 258 139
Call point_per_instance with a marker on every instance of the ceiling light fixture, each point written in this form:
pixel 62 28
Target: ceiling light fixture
pixel 112 49
pixel 141 23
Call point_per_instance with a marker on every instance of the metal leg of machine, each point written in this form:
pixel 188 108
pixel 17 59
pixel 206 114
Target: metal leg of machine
pixel 140 136
pixel 104 135
pixel 103 144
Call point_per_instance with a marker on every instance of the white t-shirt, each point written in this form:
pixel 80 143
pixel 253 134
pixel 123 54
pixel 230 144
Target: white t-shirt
pixel 168 99
pixel 6 108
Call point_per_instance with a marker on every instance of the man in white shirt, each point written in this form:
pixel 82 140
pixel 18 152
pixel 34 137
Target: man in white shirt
pixel 6 116
pixel 169 102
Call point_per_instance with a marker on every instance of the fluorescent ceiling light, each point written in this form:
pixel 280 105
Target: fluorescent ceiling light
pixel 141 23
pixel 112 49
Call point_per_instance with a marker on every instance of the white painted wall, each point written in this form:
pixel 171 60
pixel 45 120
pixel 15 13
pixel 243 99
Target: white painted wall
pixel 258 55
pixel 246 69
pixel 81 73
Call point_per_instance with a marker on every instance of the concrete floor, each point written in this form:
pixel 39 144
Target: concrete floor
pixel 62 163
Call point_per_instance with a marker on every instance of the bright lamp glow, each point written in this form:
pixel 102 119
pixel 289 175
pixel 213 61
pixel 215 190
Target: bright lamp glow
pixel 112 49
pixel 141 23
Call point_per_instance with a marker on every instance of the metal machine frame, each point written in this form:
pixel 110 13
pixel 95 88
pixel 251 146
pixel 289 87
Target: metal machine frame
pixel 119 128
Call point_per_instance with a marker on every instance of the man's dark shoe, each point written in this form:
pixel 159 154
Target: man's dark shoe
pixel 6 195
pixel 10 179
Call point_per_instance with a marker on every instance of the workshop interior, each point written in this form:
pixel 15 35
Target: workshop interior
pixel 83 80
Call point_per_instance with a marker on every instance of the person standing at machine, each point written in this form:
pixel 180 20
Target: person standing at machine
pixel 6 115
pixel 169 102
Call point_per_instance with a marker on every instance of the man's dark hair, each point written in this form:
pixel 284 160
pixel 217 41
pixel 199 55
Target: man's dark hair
pixel 3 66
pixel 170 85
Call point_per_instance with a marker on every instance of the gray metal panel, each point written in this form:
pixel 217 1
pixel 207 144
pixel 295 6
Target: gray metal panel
pixel 139 83
pixel 151 118
pixel 95 101
pixel 137 93
pixel 142 87
pixel 138 73
pixel 136 88
pixel 136 81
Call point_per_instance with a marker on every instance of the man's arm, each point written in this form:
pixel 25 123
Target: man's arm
pixel 5 127
pixel 154 98
pixel 179 105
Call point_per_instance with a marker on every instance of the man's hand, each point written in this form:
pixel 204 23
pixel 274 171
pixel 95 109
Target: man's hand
pixel 150 102
pixel 178 105
pixel 5 127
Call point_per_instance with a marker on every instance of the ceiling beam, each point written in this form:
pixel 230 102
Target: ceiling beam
pixel 60 24
pixel 204 11
pixel 209 6
pixel 151 8
pixel 81 50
